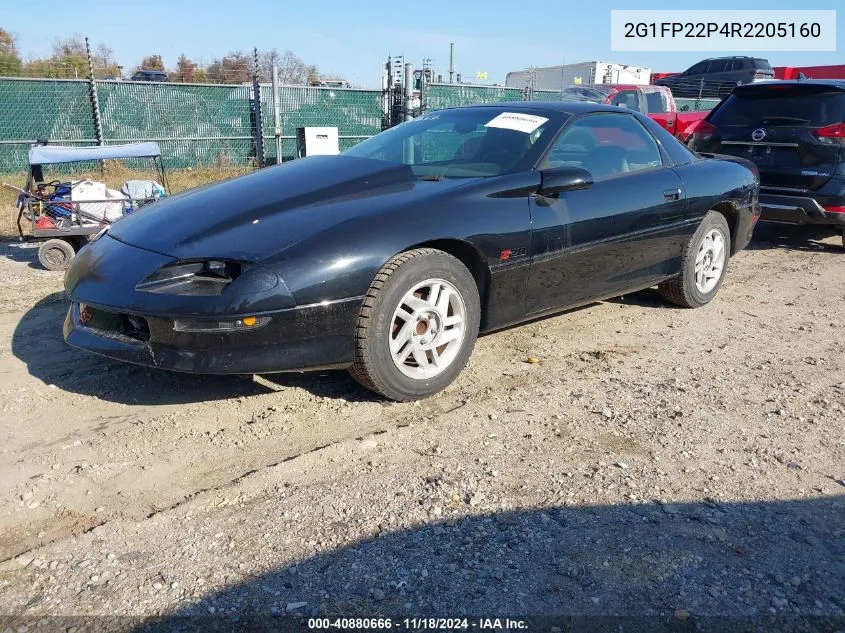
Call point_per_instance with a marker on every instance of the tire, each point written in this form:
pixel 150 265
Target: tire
pixel 685 289
pixel 396 313
pixel 56 254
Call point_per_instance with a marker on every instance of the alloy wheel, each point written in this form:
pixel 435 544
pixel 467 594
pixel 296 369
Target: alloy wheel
pixel 710 261
pixel 428 329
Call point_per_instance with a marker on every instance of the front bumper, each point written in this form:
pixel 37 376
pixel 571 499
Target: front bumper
pixel 797 210
pixel 320 336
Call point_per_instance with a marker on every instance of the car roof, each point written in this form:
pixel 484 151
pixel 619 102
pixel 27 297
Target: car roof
pixel 833 83
pixel 611 86
pixel 711 59
pixel 567 107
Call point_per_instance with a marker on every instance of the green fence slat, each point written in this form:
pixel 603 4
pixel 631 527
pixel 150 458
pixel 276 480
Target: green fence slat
pixel 199 125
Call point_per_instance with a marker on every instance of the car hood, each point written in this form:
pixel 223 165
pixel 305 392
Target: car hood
pixel 254 216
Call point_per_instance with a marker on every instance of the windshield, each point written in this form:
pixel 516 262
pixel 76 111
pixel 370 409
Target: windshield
pixel 594 94
pixel 785 104
pixel 464 142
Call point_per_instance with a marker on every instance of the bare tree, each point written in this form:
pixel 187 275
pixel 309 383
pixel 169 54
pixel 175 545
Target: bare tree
pixel 103 55
pixel 104 62
pixel 73 46
pixel 294 71
pixel 266 59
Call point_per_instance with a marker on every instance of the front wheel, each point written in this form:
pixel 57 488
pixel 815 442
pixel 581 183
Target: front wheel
pixel 703 264
pixel 418 325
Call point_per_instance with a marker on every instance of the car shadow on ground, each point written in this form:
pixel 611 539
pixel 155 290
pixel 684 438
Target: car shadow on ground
pixel 673 564
pixel 769 235
pixel 39 343
pixel 649 298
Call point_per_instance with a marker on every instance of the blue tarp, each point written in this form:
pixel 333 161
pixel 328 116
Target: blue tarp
pixel 54 154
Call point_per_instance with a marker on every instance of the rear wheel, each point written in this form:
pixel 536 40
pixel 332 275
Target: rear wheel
pixel 56 254
pixel 703 264
pixel 418 325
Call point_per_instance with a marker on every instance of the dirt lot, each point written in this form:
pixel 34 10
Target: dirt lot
pixel 656 460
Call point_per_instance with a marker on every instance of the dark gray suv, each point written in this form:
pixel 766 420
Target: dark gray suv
pixel 794 131
pixel 715 78
pixel 150 75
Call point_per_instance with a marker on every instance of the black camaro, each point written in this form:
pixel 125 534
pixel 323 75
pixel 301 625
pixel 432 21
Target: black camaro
pixel 390 258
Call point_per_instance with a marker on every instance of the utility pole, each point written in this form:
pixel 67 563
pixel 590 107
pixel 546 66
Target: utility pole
pixel 407 115
pixel 95 101
pixel 409 92
pixel 562 75
pixel 277 113
pixel 258 128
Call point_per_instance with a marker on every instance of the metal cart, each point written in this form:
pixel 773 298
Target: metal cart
pixel 66 225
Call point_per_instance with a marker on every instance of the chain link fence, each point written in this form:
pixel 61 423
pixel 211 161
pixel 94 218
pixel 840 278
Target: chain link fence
pixel 209 126
pixel 440 96
pixel 206 131
pixel 357 114
pixel 37 109
pixel 196 125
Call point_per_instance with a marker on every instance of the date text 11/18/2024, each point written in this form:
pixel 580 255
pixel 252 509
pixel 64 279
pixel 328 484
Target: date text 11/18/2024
pixel 417 624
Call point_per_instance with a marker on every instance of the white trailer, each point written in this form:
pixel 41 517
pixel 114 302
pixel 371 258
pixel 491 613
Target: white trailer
pixel 557 77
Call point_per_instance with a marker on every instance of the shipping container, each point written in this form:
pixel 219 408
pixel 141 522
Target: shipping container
pixel 557 77
pixel 810 72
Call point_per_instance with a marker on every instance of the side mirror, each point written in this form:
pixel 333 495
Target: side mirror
pixel 559 179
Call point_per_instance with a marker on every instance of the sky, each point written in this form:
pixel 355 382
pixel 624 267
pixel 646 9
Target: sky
pixel 353 39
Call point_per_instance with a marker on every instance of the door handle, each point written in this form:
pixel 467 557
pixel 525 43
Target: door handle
pixel 672 194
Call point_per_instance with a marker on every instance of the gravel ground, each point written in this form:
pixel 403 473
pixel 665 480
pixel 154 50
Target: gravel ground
pixel 655 461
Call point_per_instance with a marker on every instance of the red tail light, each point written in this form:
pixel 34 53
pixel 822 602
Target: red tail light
pixel 835 209
pixel 837 130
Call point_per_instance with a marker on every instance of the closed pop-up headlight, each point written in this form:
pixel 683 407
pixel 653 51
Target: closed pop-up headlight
pixel 209 277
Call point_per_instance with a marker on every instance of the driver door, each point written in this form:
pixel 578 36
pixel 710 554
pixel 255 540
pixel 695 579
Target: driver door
pixel 621 233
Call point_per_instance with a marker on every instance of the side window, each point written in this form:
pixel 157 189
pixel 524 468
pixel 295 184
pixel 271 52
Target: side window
pixel 655 103
pixel 719 66
pixel 736 64
pixel 606 145
pixel 626 99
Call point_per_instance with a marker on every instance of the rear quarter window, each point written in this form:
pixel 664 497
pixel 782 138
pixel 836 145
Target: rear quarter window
pixel 656 103
pixel 678 152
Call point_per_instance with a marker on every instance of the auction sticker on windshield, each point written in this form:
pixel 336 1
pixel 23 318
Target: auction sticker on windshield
pixel 517 121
